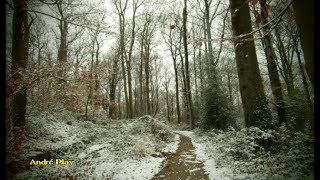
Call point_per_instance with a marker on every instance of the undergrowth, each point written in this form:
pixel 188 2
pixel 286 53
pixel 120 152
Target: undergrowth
pixel 256 154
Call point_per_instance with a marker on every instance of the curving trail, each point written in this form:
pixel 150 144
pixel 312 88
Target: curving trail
pixel 182 164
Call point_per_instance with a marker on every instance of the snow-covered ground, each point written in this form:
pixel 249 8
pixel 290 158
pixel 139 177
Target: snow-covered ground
pixel 106 149
pixel 210 166
pixel 254 154
pixel 131 149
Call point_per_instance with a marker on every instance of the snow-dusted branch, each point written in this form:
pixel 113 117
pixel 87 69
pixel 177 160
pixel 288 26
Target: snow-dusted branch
pixel 275 21
pixel 70 22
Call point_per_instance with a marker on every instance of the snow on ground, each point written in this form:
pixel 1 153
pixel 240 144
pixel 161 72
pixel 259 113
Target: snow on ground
pixel 252 153
pixel 108 149
pixel 202 154
pixel 172 146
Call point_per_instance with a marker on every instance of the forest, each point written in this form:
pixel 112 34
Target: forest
pixel 159 89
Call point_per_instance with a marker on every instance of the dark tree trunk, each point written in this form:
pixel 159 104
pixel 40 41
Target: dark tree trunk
pixel 174 58
pixel 272 68
pixel 142 105
pixel 122 56
pixel 304 15
pixel 208 32
pixel 62 52
pixel 20 40
pixel 286 66
pixel 185 46
pixel 147 88
pixel 230 87
pixel 310 109
pixel 255 107
pixel 96 77
pixel 167 101
pixel 113 85
pixel 130 98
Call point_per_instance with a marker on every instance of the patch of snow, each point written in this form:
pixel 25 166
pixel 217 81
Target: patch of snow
pixel 144 168
pixel 113 150
pixel 173 146
pixel 95 148
pixel 196 169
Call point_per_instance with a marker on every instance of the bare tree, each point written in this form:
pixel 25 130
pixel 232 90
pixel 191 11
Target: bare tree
pixel 304 15
pixel 188 88
pixel 253 98
pixel 271 65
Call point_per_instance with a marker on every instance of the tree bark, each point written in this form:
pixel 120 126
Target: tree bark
pixel 188 88
pixel 20 40
pixel 310 109
pixel 130 101
pixel 286 66
pixel 174 58
pixel 208 32
pixel 113 85
pixel 255 107
pixel 304 13
pixel 272 67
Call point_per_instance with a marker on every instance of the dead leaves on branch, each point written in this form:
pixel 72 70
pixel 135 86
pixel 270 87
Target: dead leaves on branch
pixel 257 16
pixel 264 13
pixel 254 2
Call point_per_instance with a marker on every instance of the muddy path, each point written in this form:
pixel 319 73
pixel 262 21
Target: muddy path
pixel 182 164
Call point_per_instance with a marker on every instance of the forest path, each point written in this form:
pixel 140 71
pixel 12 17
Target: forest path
pixel 182 164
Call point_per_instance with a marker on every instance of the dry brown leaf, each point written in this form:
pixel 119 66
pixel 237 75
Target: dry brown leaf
pixel 254 2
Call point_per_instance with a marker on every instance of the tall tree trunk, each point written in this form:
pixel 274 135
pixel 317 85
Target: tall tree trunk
pixel 167 101
pixel 20 40
pixel 147 78
pixel 229 86
pixel 130 102
pixel 184 85
pixel 96 78
pixel 284 61
pixel 304 78
pixel 121 9
pixel 205 50
pixel 113 85
pixel 200 68
pixel 195 76
pixel 272 67
pixel 188 88
pixel 304 15
pixel 142 105
pixel 62 51
pixel 119 103
pixel 310 109
pixel 122 56
pixel 254 102
pixel 286 69
pixel 177 89
pixel 208 33
pixel 174 58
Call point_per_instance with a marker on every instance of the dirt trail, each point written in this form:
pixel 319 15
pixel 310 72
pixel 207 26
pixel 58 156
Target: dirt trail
pixel 182 164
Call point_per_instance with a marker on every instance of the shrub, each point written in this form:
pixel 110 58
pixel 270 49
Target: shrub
pixel 216 110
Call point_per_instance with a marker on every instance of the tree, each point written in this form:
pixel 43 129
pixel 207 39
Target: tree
pixel 121 10
pixel 20 40
pixel 173 43
pixel 271 65
pixel 113 84
pixel 136 5
pixel 146 36
pixel 188 88
pixel 256 110
pixel 304 14
pixel 286 63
